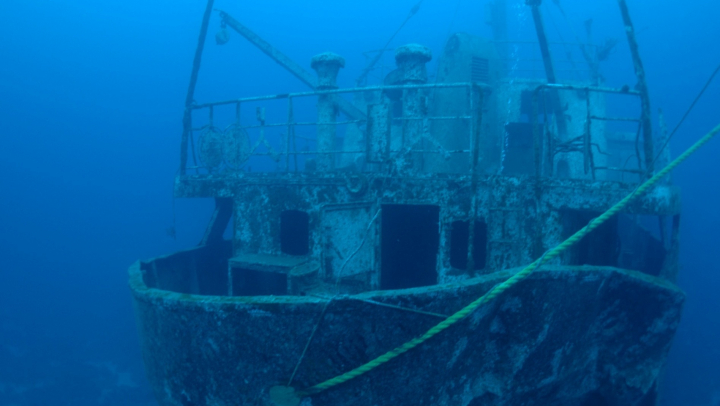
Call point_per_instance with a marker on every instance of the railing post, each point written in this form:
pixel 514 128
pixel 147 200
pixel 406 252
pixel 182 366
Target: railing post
pixel 587 138
pixel 289 134
pixel 537 140
pixel 327 65
pixel 476 106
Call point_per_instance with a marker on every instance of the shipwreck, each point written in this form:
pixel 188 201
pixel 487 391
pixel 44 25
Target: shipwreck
pixel 362 218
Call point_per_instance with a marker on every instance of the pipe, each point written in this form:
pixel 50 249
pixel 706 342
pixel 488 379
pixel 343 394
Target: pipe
pixel 327 65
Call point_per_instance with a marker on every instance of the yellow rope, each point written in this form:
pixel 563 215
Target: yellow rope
pixel 500 288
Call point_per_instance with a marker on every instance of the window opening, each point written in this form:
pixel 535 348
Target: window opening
pixel 294 232
pixel 410 243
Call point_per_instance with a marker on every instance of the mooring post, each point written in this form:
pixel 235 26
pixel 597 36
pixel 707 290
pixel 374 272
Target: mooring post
pixel 327 65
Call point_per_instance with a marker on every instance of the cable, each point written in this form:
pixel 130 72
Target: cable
pixel 687 112
pixel 382 50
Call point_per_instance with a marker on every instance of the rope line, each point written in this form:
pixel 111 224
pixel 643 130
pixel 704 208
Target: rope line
pixel 307 344
pixel 502 287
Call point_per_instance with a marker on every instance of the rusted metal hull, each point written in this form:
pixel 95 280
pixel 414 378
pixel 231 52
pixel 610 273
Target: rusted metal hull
pixel 564 336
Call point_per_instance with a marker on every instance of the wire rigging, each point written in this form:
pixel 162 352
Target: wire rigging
pixel 687 112
pixel 363 76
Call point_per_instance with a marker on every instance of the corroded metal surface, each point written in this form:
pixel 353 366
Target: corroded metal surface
pixel 523 215
pixel 564 336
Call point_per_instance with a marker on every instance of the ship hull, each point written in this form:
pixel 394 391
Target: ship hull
pixel 563 336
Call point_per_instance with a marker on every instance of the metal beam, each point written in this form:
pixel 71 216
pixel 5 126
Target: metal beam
pixel 283 60
pixel 187 115
pixel 549 68
pixel 542 39
pixel 641 87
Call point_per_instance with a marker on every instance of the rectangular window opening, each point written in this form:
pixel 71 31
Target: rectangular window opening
pixel 410 242
pixel 294 232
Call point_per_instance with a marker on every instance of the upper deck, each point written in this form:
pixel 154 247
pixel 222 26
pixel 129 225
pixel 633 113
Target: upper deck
pixel 479 169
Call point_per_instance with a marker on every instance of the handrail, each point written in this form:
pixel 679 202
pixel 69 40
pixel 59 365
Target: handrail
pixel 342 91
pixel 288 149
pixel 599 89
pixel 539 143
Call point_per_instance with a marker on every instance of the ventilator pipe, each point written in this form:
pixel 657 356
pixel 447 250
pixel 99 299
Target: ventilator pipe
pixel 327 65
pixel 411 60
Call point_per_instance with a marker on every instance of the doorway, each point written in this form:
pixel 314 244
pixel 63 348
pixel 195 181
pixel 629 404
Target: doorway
pixel 410 241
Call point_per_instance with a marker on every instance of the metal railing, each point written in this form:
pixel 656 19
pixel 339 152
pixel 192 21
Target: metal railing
pixel 547 143
pixel 417 139
pixel 233 147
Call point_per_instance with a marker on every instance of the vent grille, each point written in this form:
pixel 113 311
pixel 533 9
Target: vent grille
pixel 480 70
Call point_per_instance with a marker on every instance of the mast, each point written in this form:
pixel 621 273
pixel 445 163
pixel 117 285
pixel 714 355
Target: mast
pixel 187 115
pixel 641 87
pixel 549 68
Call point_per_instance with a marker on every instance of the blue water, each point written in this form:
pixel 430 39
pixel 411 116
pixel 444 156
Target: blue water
pixel 91 98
